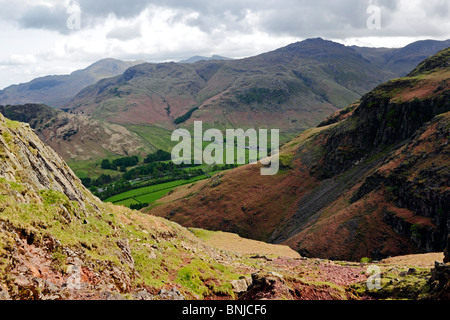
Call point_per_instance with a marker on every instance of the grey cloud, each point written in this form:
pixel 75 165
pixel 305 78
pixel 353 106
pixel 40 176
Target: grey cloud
pixel 296 18
pixel 125 33
pixel 43 17
pixel 120 8
pixel 334 19
pixel 437 8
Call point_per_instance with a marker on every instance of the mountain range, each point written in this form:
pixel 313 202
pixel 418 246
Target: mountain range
pixel 56 91
pixel 292 88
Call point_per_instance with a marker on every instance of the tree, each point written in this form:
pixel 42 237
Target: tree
pixel 106 164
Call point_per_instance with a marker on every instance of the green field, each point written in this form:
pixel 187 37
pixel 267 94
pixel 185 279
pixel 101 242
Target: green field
pixel 90 168
pixel 151 193
pixel 158 137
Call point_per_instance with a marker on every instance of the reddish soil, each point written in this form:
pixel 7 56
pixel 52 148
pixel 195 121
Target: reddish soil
pixel 219 207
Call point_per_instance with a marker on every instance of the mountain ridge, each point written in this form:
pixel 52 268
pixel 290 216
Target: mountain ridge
pixel 195 59
pixel 303 82
pixel 56 90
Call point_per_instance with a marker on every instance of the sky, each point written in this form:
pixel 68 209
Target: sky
pixel 42 37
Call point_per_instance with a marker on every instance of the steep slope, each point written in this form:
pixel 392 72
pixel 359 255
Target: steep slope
pixel 77 137
pixel 56 91
pixel 371 181
pixel 292 88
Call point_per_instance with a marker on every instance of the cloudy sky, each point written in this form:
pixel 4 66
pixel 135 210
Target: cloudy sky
pixel 40 37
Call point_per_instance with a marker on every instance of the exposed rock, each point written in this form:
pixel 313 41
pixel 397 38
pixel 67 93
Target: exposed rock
pixel 440 281
pixel 258 256
pixel 172 294
pixel 267 286
pixel 38 166
pixel 121 279
pixel 107 295
pixel 143 295
pixel 239 285
pixel 4 295
pixel 126 256
pixel 411 271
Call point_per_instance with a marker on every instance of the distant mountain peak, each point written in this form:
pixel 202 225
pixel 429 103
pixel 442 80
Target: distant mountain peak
pixel 202 58
pixel 56 90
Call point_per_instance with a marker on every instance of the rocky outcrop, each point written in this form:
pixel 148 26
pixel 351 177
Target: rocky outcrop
pixel 77 137
pixel 26 160
pixel 267 286
pixel 389 114
pixel 440 281
pixel 419 183
pixel 377 124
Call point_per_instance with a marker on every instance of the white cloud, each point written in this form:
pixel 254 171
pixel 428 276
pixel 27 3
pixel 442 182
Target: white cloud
pixel 19 59
pixel 34 33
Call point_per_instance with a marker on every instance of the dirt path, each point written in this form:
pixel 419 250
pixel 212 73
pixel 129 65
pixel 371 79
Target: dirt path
pixel 234 243
pixel 425 260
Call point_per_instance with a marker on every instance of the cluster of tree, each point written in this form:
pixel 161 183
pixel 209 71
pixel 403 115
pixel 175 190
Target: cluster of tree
pixel 138 206
pixel 159 155
pixel 121 163
pixel 185 116
pixel 152 172
pixel 157 169
pixel 101 181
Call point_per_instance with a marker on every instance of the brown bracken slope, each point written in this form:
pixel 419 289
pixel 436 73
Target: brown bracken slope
pixel 371 181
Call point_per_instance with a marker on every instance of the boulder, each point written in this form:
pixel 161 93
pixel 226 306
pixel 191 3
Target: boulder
pixel 267 286
pixel 239 285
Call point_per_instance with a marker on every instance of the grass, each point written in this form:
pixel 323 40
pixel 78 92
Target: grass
pixel 396 286
pixel 152 197
pixel 202 233
pixel 127 202
pixel 90 168
pixel 158 137
pixel 151 192
pixel 97 236
pixel 198 275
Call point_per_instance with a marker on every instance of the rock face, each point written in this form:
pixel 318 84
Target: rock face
pixel 440 281
pixel 26 160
